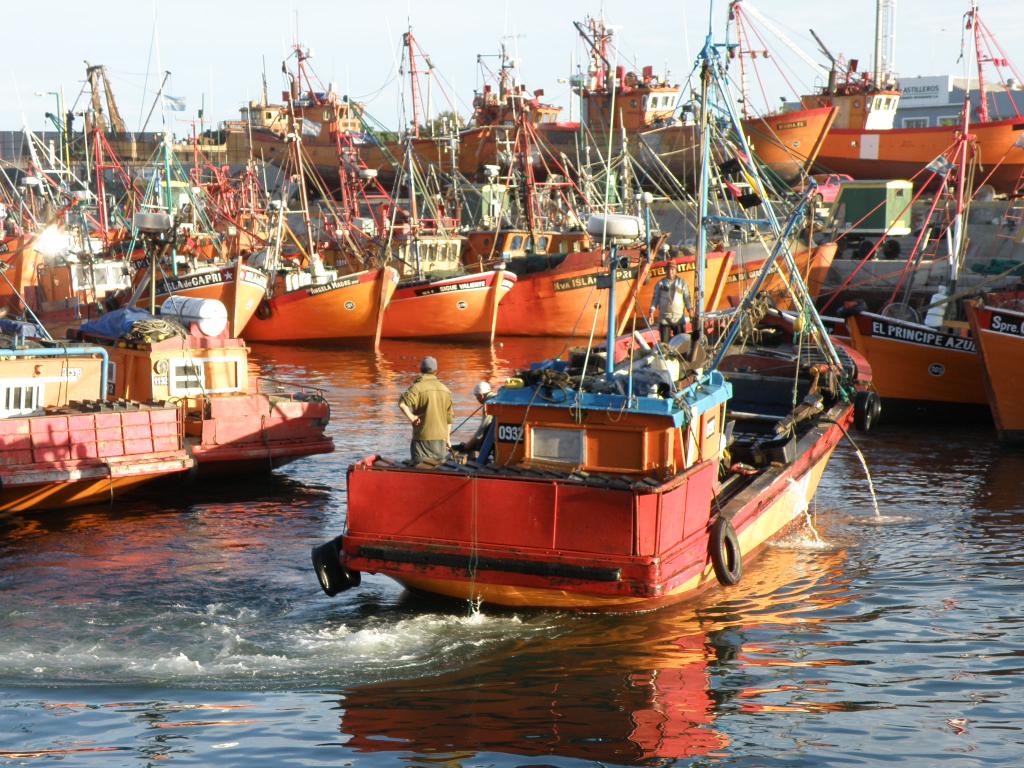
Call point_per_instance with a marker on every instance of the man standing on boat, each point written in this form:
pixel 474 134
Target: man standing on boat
pixel 671 304
pixel 428 406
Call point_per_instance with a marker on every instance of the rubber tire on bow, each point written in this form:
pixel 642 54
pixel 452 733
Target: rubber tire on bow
pixel 263 310
pixel 332 575
pixel 726 555
pixel 867 407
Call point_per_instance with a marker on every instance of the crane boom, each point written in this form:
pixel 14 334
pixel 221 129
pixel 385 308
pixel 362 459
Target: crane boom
pixel 750 10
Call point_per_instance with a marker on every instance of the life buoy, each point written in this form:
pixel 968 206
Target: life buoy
pixel 264 310
pixel 726 556
pixel 332 575
pixel 867 407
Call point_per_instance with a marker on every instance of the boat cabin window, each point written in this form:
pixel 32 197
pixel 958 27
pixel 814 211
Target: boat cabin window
pixel 187 377
pixel 542 244
pixel 915 122
pixel 203 377
pixel 517 243
pixel 20 399
pixel 564 446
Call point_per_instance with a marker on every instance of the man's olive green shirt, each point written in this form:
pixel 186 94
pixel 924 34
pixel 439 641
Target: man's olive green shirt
pixel 431 400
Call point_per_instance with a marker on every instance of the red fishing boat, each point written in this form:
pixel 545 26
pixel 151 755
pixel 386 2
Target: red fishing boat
pixel 608 491
pixel 229 426
pixel 813 265
pixel 61 445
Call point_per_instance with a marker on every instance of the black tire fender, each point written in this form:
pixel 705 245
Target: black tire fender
pixel 332 575
pixel 726 555
pixel 264 310
pixel 867 407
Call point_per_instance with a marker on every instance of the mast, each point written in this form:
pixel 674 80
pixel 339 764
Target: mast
pixel 414 84
pixel 957 245
pixel 973 23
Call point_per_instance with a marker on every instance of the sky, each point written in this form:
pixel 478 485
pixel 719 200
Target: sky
pixel 216 50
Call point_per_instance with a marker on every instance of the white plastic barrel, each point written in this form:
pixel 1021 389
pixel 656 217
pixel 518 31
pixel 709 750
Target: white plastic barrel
pixel 615 226
pixel 936 314
pixel 210 315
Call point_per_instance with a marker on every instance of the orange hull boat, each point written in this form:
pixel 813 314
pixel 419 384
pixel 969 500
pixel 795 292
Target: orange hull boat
pixel 899 153
pixel 915 363
pixel 240 288
pixel 1000 337
pixel 787 143
pixel 813 265
pixel 350 308
pixel 477 148
pixel 464 306
pixel 565 301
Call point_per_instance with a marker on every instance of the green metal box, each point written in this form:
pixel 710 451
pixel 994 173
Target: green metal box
pixel 874 207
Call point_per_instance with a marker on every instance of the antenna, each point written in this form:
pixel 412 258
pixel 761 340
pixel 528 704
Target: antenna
pixel 885 39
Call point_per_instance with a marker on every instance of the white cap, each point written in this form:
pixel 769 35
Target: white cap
pixel 481 389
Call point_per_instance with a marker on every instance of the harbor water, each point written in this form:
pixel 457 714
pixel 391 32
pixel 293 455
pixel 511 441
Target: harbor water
pixel 186 627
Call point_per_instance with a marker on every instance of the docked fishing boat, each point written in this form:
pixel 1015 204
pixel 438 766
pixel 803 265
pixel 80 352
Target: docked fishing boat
pixel 227 428
pixel 463 306
pixel 930 361
pixel 813 264
pixel 623 491
pixel 436 297
pixel 997 325
pixel 310 304
pixel 239 286
pixel 787 143
pixel 61 444
pixel 564 300
pixel 914 364
pixel 624 477
pixel 320 290
pixel 864 143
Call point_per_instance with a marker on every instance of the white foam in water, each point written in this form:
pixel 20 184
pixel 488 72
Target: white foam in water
pixel 880 520
pixel 802 542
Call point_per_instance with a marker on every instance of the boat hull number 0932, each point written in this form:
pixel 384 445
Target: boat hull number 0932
pixel 510 433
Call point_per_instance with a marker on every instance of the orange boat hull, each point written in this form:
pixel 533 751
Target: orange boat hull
pixel 565 301
pixel 913 362
pixel 239 288
pixel 900 153
pixel 93 485
pixel 465 307
pixel 813 265
pixel 1000 337
pixel 787 143
pixel 477 148
pixel 349 308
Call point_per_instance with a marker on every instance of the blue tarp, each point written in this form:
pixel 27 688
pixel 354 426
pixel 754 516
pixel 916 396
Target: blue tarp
pixel 116 324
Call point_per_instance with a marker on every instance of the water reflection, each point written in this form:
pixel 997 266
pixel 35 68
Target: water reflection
pixel 616 689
